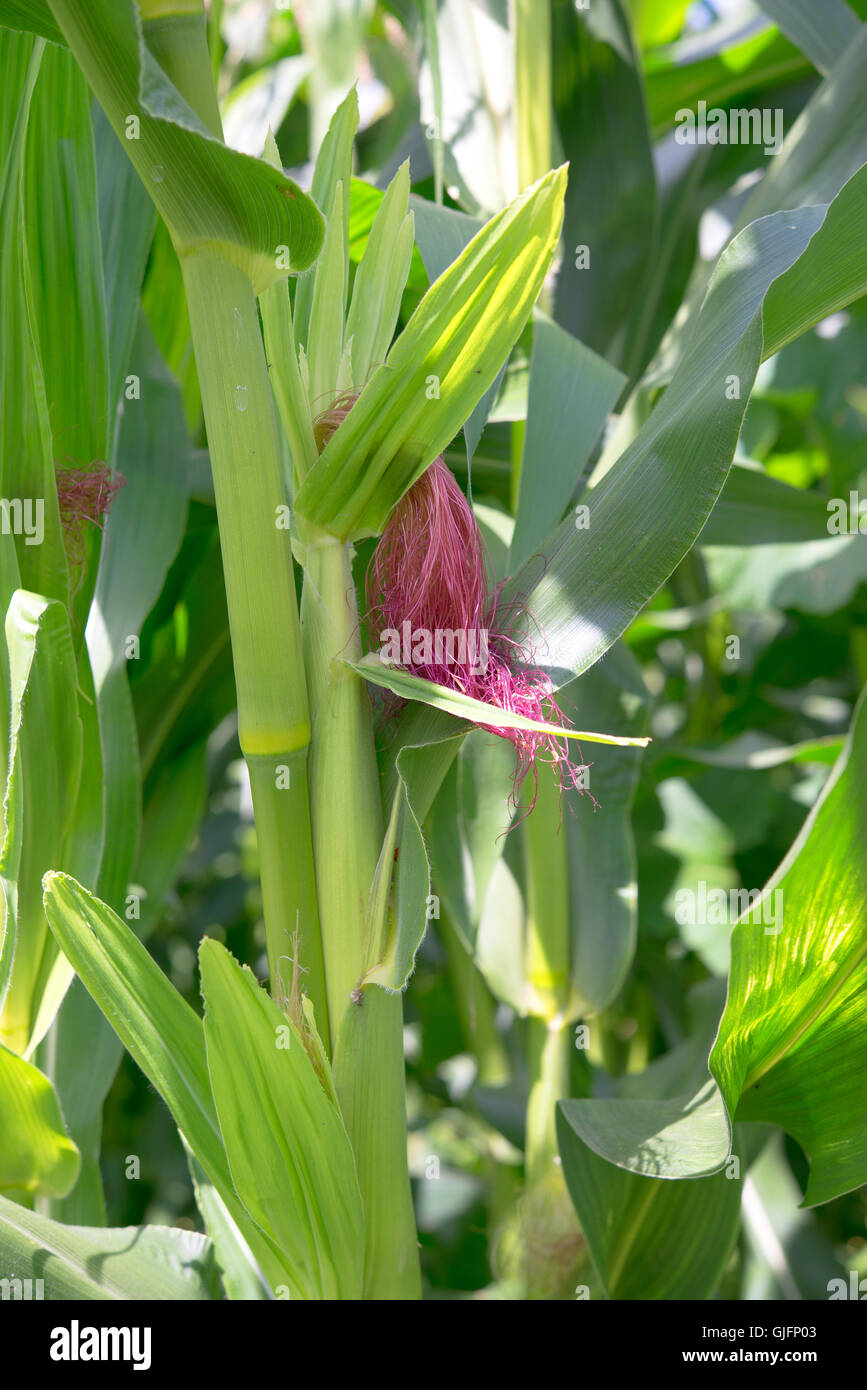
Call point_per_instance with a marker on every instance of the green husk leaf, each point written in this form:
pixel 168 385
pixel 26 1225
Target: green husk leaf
pixel 287 1148
pixel 381 279
pixel 241 1276
pixel 444 361
pixel 333 167
pixel 159 1030
pixel 41 798
pixel 325 335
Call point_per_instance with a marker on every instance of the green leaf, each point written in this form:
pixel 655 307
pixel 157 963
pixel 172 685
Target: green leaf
pixel 467 825
pixel 419 768
pixel 442 234
pixel 198 671
pixel 173 809
pixel 126 221
pixel 466 86
pixel 831 273
pixel 26 462
pixel 81 1053
pixel 441 697
pixel 443 362
pixel 814 576
pixel 130 1262
pixel 65 279
pixel 325 334
pixel 791 1047
pixel 823 35
pixel 752 750
pixel 37 1156
pixel 32 16
pixel 164 302
pixel 159 1030
pixel 210 196
pixel 649 507
pixel 152 1020
pixel 602 863
pixel 467 839
pixel 649 1239
pixel 546 946
pixel 715 67
pixel 756 509
pixel 820 164
pixel 684 1137
pixel 41 800
pixel 601 111
pixel 288 1151
pixel 655 1230
pixel 467 833
pixel 147 520
pixel 364 205
pixel 658 21
pixel 571 393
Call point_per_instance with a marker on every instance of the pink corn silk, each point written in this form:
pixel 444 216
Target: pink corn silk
pixel 85 496
pixel 429 570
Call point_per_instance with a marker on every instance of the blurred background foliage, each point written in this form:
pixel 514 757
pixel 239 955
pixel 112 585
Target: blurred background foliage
pixel 795 605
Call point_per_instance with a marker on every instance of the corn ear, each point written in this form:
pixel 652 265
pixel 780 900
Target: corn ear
pixel 442 364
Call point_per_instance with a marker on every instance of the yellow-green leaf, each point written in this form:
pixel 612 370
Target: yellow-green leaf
pixel 37 1156
pixel 463 707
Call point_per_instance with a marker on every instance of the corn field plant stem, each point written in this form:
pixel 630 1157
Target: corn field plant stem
pixel 476 1008
pixel 547 947
pixel 273 720
pixel 366 1023
pixel 548 1058
pixel 547 1211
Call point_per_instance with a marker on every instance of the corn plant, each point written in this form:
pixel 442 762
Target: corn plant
pixel 237 420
